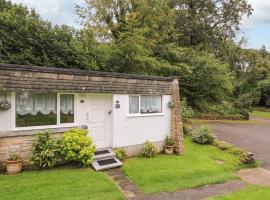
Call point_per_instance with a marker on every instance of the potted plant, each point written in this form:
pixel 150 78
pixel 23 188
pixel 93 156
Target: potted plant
pixel 169 145
pixel 14 164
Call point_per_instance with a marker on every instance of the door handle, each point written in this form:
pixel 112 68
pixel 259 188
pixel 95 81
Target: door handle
pixel 87 116
pixel 110 112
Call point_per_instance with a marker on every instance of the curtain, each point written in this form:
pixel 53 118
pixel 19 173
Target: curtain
pixel 133 104
pixel 33 103
pixel 67 103
pixel 151 104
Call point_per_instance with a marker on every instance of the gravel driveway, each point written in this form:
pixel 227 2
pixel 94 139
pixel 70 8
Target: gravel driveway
pixel 254 137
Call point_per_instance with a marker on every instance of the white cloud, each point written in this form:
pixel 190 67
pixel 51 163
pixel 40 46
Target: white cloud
pixel 260 14
pixel 55 11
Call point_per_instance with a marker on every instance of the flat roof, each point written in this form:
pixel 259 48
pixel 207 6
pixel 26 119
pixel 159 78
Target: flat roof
pixel 73 71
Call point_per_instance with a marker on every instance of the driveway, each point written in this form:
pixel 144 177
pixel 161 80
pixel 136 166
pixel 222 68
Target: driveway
pixel 253 136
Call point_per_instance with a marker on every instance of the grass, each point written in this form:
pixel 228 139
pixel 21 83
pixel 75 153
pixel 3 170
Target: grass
pixel 59 184
pixel 249 193
pixel 200 165
pixel 261 113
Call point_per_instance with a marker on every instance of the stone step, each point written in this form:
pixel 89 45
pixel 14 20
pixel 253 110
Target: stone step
pixel 106 163
pixel 102 154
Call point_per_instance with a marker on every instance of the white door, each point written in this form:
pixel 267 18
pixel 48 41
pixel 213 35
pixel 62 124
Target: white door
pixel 99 119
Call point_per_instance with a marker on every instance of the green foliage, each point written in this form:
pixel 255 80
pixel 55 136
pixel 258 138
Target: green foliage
pixel 14 157
pixel 169 141
pixel 224 110
pixel 203 135
pixel 187 128
pixel 27 39
pixel 120 153
pixel 186 111
pixel 190 40
pixel 77 147
pixel 150 149
pixel 45 151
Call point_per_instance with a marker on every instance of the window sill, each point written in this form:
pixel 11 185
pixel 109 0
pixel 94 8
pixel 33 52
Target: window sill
pixel 145 115
pixel 35 130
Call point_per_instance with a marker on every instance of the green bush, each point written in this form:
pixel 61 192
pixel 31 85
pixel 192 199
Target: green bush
pixel 45 151
pixel 224 110
pixel 77 147
pixel 150 149
pixel 186 111
pixel 120 153
pixel 203 135
pixel 187 128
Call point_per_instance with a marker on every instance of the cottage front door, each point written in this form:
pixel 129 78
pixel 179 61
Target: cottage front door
pixel 99 119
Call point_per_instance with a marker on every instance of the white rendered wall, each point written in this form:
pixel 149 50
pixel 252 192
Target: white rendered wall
pixel 129 130
pixel 5 115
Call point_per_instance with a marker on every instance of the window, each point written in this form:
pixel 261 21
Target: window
pixel 134 104
pixel 66 108
pixel 36 109
pixel 145 104
pixel 40 109
pixel 151 104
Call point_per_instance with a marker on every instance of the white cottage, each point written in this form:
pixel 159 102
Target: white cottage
pixel 120 110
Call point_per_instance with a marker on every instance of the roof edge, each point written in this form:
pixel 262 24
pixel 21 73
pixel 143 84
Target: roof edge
pixel 73 71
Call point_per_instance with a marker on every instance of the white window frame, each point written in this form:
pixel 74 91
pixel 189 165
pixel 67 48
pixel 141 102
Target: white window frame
pixel 58 124
pixel 148 114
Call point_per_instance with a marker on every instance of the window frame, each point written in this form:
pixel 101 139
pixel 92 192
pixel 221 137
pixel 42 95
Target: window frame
pixel 139 114
pixel 58 124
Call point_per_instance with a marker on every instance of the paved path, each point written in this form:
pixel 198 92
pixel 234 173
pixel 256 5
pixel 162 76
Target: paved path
pixel 131 191
pixel 254 137
pixel 196 193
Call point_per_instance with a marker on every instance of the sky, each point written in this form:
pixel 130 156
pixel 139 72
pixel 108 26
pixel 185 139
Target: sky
pixel 256 29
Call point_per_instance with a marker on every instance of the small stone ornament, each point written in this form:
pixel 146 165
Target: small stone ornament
pixel 4 104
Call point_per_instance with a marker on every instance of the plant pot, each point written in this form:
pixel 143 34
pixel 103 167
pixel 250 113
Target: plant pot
pixel 14 166
pixel 168 149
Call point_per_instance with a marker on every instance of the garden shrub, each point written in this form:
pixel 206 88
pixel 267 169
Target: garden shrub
pixel 203 135
pixel 187 128
pixel 120 153
pixel 150 149
pixel 77 147
pixel 45 151
pixel 224 110
pixel 186 111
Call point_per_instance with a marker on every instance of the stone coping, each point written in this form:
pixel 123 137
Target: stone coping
pixel 5 134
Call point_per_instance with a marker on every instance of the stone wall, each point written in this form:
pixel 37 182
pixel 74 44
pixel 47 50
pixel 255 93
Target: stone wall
pixel 176 120
pixel 19 144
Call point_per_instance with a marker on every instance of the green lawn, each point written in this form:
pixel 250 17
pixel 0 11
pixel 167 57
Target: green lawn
pixel 249 193
pixel 261 114
pixel 59 184
pixel 201 164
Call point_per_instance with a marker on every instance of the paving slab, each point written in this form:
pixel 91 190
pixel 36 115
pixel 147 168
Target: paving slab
pixel 256 176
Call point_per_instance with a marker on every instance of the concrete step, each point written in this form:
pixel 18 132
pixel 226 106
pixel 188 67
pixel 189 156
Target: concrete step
pixel 105 159
pixel 106 163
pixel 102 154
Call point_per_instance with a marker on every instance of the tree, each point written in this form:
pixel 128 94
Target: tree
pixel 208 22
pixel 27 39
